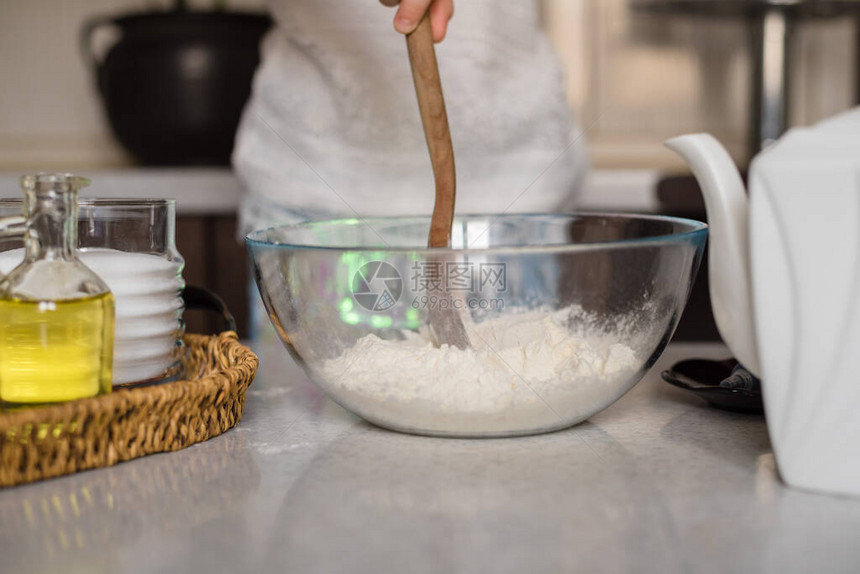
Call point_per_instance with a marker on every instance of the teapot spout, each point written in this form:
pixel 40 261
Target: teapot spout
pixel 729 260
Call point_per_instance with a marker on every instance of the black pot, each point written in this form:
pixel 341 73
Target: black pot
pixel 175 83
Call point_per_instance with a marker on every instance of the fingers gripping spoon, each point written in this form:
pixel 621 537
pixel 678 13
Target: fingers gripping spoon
pixel 445 322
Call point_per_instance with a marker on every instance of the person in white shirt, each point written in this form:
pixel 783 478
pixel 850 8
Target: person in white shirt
pixel 332 128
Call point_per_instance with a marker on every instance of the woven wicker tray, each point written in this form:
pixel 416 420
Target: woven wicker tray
pixel 61 439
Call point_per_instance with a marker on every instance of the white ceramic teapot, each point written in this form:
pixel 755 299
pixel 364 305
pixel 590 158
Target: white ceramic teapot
pixel 785 288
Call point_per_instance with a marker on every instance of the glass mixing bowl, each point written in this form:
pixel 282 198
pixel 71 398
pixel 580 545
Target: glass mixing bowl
pixel 565 313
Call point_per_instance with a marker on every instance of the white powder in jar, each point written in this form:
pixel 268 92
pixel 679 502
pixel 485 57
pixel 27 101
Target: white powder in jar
pixel 525 371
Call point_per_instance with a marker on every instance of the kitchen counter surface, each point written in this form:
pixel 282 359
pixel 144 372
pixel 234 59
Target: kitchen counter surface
pixel 658 482
pixel 197 191
pixel 217 191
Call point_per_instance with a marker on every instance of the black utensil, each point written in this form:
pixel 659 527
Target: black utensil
pixel 723 384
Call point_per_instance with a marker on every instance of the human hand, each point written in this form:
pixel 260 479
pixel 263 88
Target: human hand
pixel 411 11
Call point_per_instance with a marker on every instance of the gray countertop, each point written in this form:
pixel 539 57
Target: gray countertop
pixel 658 483
pixel 217 191
pixel 197 190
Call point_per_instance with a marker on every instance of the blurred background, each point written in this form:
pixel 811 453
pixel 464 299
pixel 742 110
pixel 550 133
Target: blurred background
pixel 637 73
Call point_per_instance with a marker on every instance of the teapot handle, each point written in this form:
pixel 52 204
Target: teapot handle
pixel 85 44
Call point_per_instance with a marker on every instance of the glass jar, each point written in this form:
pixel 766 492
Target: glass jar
pixel 131 243
pixel 56 314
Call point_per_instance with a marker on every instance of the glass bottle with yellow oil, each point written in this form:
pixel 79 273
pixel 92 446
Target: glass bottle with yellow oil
pixel 56 314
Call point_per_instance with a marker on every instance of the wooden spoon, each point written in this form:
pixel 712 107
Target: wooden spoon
pixel 444 320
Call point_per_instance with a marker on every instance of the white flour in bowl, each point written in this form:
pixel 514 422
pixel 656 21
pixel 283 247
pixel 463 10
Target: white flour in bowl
pixel 524 372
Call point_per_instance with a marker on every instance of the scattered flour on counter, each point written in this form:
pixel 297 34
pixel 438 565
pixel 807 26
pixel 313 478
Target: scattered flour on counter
pixel 530 365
